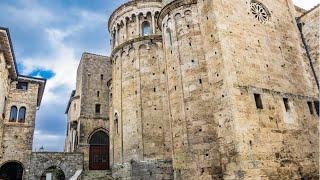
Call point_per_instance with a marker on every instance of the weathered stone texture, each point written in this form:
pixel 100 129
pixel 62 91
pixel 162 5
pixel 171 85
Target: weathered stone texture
pixel 310 29
pixel 222 44
pixel 69 163
pixel 4 85
pixel 184 104
pixel 139 111
pixel 16 135
pixel 125 23
pixel 93 75
pixel 143 170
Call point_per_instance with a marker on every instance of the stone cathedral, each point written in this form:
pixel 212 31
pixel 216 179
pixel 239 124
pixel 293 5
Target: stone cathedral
pixel 201 90
pixel 192 90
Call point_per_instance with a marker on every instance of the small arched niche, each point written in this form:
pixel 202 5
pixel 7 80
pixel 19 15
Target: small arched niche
pixel 53 173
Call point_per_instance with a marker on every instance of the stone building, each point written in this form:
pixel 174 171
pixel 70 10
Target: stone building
pixel 20 98
pixel 214 90
pixel 202 90
pixel 88 112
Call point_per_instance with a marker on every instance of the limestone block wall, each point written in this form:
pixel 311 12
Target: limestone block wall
pixel 139 126
pixel 96 73
pixel 270 50
pixel 310 29
pixel 195 91
pixel 127 21
pixel 238 51
pixel 274 142
pixel 93 75
pixel 268 61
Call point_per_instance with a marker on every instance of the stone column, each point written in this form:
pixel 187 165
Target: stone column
pixel 153 24
pixel 138 25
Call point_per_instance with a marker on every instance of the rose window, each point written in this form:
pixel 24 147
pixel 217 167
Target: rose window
pixel 259 11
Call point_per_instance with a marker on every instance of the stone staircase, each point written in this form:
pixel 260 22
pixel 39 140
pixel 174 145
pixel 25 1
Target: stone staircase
pixel 96 175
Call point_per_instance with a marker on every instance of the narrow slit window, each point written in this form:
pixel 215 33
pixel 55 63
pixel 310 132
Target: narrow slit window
pixel 169 36
pixel 98 93
pixel 258 100
pixel 101 76
pixel 116 126
pixel 316 105
pixel 310 107
pixel 286 104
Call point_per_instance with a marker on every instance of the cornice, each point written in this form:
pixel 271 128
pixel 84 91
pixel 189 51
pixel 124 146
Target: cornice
pixel 171 6
pixel 138 39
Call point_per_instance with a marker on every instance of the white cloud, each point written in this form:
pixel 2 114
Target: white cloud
pixel 306 4
pixel 29 13
pixel 48 141
pixel 62 59
pixel 62 63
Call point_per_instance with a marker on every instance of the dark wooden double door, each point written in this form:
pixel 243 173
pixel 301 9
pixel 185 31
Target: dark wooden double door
pixel 99 157
pixel 99 151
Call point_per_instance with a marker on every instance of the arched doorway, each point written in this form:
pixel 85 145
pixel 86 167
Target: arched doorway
pixel 99 151
pixel 53 173
pixel 11 171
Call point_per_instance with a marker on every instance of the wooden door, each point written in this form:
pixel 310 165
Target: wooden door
pixel 99 151
pixel 99 157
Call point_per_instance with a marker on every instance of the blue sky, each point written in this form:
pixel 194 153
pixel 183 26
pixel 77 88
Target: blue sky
pixel 49 37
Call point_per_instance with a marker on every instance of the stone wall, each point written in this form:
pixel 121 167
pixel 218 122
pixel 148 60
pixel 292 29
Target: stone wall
pixel 214 50
pixel 139 126
pixel 126 22
pixel 143 170
pixel 96 74
pixel 69 163
pixel 310 29
pixel 93 75
pixel 140 121
pixel 269 62
pixel 4 84
pixel 17 136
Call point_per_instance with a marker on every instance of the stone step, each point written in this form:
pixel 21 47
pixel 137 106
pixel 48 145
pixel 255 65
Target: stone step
pixel 95 174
